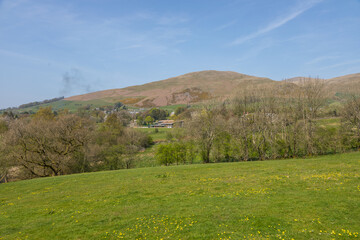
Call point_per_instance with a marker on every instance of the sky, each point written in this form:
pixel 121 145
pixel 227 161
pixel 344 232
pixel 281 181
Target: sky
pixel 53 48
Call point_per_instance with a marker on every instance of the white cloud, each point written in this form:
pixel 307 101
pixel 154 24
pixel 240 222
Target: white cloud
pixel 298 10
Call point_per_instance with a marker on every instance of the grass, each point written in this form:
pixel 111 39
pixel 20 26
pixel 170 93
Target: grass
pixel 329 122
pixel 172 108
pixel 159 136
pixel 281 199
pixel 72 106
pixel 146 158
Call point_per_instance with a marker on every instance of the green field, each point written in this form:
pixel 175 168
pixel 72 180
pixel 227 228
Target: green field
pixel 172 108
pixel 159 136
pixel 282 199
pixel 72 106
pixel 147 158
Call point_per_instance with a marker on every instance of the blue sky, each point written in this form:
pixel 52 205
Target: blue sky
pixel 51 48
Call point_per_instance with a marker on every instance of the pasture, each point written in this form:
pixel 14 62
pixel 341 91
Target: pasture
pixel 316 198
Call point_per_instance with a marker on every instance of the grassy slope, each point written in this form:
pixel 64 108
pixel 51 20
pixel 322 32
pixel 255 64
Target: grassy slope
pixel 284 199
pixel 72 106
pixel 159 136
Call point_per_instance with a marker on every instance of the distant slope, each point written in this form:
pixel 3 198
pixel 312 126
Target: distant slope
pixel 187 88
pixel 347 83
pixel 342 84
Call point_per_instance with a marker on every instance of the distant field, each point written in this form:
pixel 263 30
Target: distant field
pixel 329 122
pixel 172 108
pixel 147 158
pixel 281 199
pixel 157 136
pixel 72 106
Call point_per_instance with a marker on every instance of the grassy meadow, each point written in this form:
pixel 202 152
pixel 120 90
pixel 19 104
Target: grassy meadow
pixel 315 198
pixel 158 136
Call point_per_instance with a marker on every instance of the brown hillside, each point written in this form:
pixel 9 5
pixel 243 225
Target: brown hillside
pixel 205 85
pixel 347 83
pixel 187 88
pixel 343 84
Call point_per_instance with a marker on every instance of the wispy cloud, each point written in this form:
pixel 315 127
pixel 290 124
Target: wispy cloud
pixel 253 52
pixel 298 10
pixel 172 20
pixel 73 32
pixel 25 57
pixel 342 64
pixel 321 59
pixel 226 25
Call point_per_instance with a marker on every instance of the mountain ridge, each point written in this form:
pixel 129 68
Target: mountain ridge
pixel 200 86
pixel 186 88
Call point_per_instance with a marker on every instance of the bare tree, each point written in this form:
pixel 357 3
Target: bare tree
pixel 47 147
pixel 204 128
pixel 351 117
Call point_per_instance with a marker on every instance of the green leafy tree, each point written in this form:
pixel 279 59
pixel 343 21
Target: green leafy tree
pixel 148 120
pixel 45 113
pixel 118 105
pixel 164 154
pixel 158 114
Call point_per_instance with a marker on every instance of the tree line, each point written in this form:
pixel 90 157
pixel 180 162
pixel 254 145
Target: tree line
pixel 45 144
pixel 267 123
pixel 33 104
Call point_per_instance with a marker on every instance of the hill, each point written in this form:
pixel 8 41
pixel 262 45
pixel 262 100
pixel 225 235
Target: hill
pixel 347 83
pixel 284 199
pixel 204 85
pixel 187 88
pixel 190 88
pixel 342 84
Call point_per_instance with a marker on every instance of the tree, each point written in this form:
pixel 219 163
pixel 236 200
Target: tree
pixel 118 105
pixel 4 163
pixel 157 114
pixel 312 97
pixel 180 110
pixel 112 121
pixel 351 119
pixel 164 154
pixel 48 147
pixel 148 120
pixel 205 128
pixel 3 126
pixel 45 113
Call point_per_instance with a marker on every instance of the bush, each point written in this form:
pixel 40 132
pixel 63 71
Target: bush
pixel 175 152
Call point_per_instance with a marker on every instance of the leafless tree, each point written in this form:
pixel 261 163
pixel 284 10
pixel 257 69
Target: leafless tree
pixel 47 147
pixel 351 117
